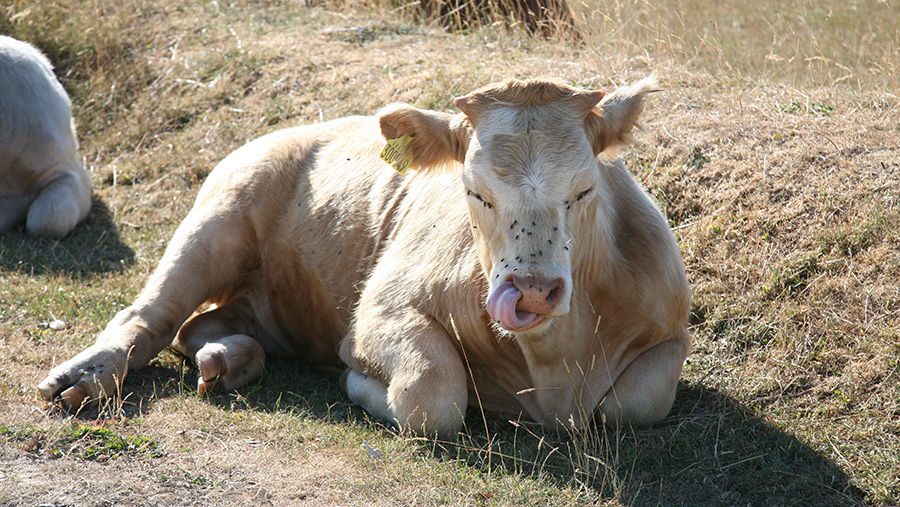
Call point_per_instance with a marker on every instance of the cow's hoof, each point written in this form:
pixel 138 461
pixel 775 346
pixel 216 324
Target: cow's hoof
pixel 70 397
pixel 229 363
pixel 86 378
pixel 211 364
pixel 75 398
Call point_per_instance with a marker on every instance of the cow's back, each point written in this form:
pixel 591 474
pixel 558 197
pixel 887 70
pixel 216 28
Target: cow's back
pixel 35 112
pixel 322 206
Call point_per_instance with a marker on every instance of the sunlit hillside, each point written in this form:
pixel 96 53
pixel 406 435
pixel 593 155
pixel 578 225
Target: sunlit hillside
pixel 773 149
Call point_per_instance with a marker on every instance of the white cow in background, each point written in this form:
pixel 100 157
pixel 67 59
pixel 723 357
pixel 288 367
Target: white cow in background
pixel 42 183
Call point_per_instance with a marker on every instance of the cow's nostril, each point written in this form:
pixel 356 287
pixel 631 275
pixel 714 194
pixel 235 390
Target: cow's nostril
pixel 555 293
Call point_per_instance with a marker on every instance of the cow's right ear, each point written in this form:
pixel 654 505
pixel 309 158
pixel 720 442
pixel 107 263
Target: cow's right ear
pixel 437 138
pixel 610 123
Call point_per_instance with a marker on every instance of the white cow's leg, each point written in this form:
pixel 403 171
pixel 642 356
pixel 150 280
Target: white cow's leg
pixel 645 391
pixel 421 384
pixel 209 253
pixel 60 205
pixel 221 343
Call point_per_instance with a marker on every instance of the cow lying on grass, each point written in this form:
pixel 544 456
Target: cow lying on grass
pixel 42 183
pixel 519 268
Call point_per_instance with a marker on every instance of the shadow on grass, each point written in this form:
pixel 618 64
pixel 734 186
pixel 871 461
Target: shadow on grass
pixel 713 451
pixel 93 247
pixel 709 451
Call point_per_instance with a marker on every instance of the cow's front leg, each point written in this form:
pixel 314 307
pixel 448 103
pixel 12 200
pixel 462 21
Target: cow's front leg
pixel 408 372
pixel 129 341
pixel 645 391
pixel 186 277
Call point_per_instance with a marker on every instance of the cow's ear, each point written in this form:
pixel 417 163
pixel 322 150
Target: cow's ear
pixel 610 123
pixel 437 138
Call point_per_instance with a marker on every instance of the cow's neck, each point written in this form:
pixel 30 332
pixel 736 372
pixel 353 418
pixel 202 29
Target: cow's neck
pixel 561 359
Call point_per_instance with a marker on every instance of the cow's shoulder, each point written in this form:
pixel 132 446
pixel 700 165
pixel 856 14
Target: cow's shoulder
pixel 428 253
pixel 648 271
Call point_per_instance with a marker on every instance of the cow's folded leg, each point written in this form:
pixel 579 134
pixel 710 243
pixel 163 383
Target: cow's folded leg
pixel 424 381
pixel 229 363
pixel 426 403
pixel 645 391
pixel 60 206
pixel 219 343
pixel 431 402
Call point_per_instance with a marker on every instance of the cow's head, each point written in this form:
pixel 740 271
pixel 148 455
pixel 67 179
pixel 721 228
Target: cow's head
pixel 531 175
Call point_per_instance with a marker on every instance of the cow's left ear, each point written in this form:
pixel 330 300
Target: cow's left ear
pixel 610 123
pixel 437 138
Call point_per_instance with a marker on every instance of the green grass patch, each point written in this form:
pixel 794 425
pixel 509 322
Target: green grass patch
pixel 87 442
pixel 792 277
pixel 810 108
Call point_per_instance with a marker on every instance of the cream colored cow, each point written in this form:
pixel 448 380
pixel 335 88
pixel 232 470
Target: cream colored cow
pixel 43 186
pixel 519 268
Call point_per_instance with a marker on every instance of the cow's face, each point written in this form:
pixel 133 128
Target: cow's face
pixel 532 184
pixel 531 179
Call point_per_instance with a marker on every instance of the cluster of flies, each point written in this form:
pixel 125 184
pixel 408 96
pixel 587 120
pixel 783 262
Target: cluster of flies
pixel 581 195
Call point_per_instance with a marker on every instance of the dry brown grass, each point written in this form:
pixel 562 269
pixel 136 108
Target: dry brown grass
pixel 778 172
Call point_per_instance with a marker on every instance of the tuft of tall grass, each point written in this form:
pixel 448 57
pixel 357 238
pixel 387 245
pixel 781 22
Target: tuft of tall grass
pixel 804 43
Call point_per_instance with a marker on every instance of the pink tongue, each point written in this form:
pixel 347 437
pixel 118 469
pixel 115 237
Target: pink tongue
pixel 501 306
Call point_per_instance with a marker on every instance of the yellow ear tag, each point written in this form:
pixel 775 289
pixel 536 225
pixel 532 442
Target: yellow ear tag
pixel 398 153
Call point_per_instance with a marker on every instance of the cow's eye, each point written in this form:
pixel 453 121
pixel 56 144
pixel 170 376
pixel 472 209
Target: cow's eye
pixel 480 199
pixel 579 196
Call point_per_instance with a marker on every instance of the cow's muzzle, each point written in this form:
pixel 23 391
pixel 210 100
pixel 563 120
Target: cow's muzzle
pixel 523 302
